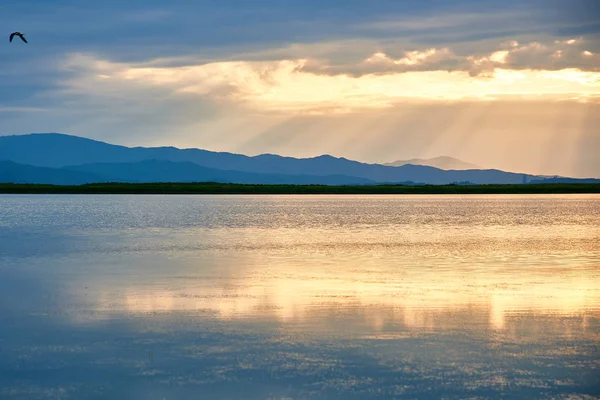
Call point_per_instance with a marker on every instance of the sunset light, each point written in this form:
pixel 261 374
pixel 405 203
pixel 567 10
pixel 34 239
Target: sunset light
pixel 300 200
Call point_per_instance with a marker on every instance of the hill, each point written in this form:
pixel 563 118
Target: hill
pixel 11 172
pixel 442 162
pixel 60 151
pixel 154 171
pixel 168 171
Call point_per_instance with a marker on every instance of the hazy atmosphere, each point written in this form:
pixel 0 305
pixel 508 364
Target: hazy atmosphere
pixel 501 84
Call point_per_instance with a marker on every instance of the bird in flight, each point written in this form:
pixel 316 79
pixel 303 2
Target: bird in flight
pixel 19 34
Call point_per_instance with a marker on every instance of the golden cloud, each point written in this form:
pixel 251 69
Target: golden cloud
pixel 289 86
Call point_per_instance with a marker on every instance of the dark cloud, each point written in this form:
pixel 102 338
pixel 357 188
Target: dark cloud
pixel 553 54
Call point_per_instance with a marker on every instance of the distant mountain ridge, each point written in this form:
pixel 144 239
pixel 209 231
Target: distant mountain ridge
pixel 442 162
pixel 169 171
pixel 155 171
pixel 92 159
pixel 11 172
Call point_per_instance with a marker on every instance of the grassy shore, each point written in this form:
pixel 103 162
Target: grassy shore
pixel 226 188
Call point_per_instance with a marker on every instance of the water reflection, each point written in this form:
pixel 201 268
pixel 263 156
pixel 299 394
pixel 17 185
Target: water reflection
pixel 417 298
pixel 300 297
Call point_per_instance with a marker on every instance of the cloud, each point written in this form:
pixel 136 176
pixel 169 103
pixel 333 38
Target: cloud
pixel 413 58
pixel 21 109
pixel 555 55
pixel 438 22
pixel 472 22
pixel 569 53
pixel 291 86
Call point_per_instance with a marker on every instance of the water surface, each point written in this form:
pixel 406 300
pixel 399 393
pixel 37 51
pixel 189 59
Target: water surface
pixel 299 297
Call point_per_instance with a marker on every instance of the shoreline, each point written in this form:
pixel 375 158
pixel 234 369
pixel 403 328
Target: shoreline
pixel 230 188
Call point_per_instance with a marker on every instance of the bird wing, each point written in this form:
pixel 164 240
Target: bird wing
pixel 23 38
pixel 12 35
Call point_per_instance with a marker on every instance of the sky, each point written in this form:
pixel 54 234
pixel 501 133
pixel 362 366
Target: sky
pixel 510 84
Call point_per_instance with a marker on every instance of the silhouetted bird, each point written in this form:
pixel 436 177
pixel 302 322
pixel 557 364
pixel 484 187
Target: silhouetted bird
pixel 19 34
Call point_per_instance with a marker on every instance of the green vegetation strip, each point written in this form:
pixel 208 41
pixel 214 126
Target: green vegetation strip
pixel 226 188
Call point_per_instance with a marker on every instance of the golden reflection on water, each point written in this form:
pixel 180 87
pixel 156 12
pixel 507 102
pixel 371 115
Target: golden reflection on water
pixel 372 281
pixel 297 299
pixel 357 264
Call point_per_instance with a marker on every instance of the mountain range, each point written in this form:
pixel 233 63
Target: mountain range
pixel 442 162
pixel 54 158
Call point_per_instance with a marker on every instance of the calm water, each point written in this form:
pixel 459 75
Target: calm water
pixel 299 297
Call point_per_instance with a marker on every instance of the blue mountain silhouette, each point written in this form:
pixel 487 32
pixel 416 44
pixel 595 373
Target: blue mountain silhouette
pixel 11 172
pixel 80 159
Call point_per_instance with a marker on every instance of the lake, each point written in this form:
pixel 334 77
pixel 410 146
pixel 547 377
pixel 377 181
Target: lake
pixel 299 297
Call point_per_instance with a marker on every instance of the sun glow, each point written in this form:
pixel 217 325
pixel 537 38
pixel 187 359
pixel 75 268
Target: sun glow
pixel 284 86
pixel 294 86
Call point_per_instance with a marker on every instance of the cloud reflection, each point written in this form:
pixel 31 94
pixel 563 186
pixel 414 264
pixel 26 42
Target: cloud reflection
pixel 415 302
pixel 374 288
